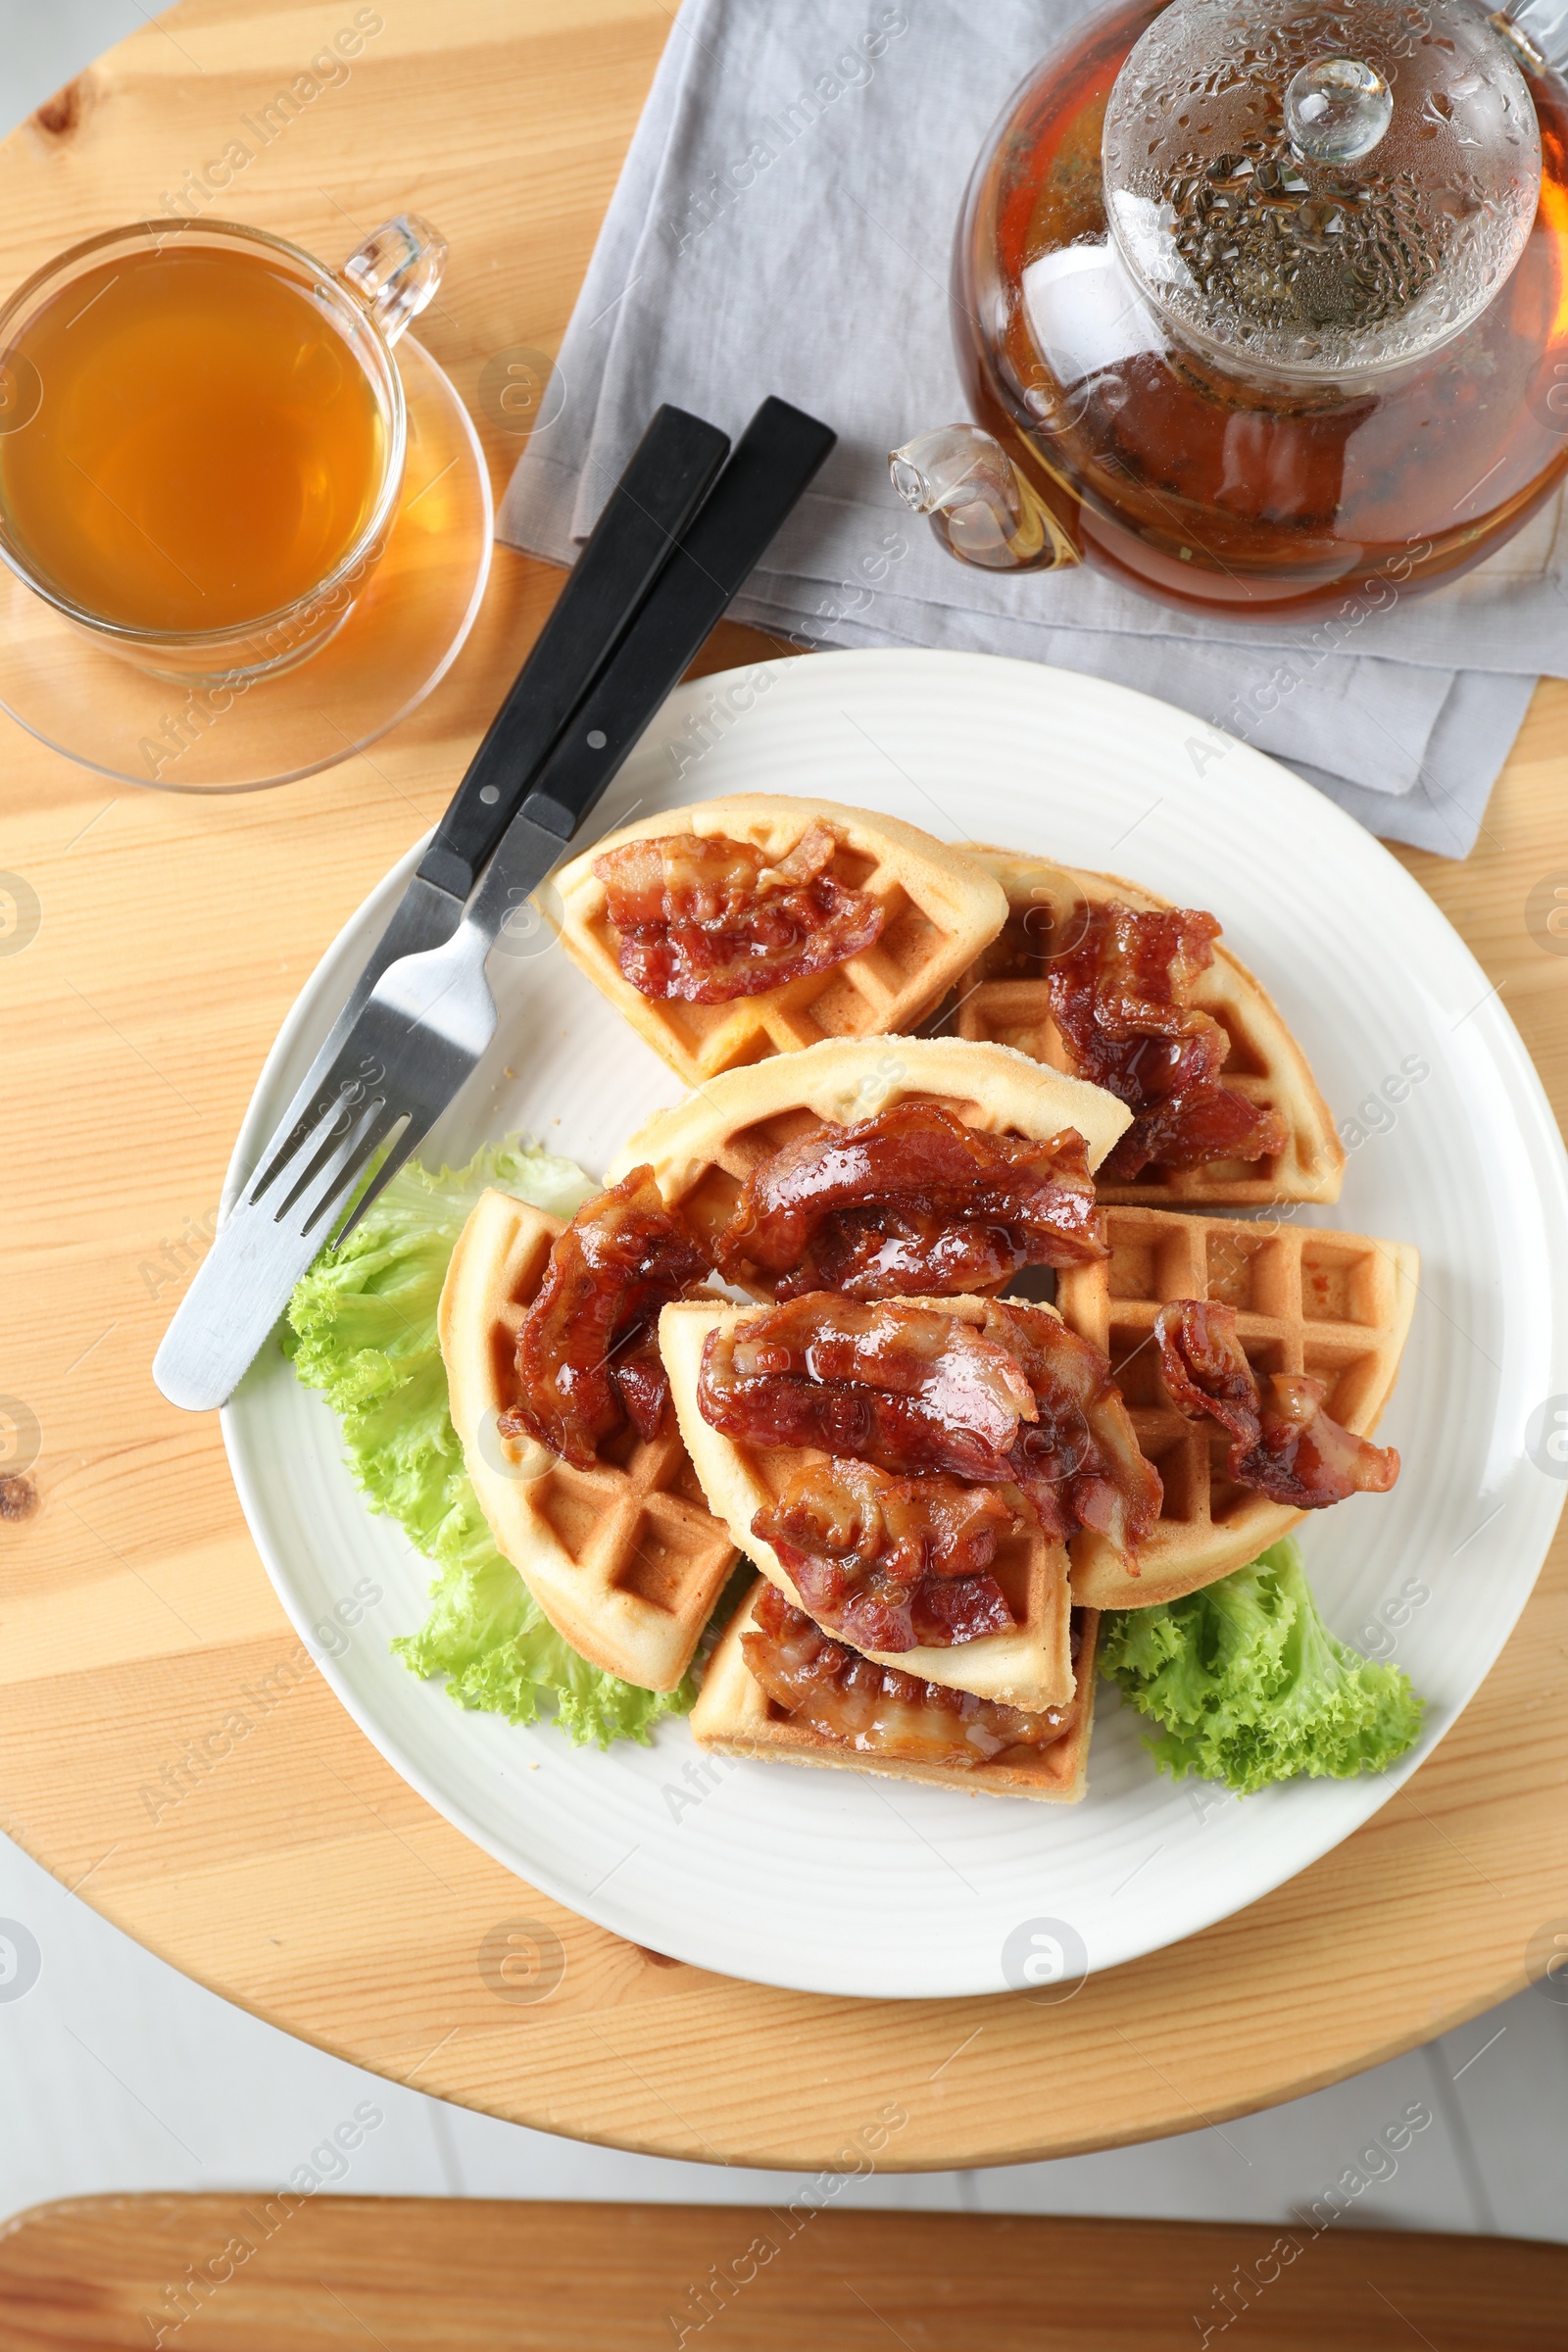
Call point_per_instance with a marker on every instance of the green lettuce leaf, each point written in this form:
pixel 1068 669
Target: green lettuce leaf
pixel 360 1327
pixel 1251 1687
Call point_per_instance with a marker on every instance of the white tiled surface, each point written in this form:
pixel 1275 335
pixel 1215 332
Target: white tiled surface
pixel 118 2074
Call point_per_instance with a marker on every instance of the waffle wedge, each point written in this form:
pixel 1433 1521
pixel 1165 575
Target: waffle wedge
pixel 940 907
pixel 1030 1667
pixel 702 1150
pixel 1337 1306
pixel 734 1717
pixel 625 1559
pixel 1004 996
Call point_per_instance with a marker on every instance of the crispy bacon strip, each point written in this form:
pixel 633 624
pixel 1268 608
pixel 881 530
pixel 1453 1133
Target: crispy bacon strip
pixel 707 919
pixel 1283 1445
pixel 1079 1463
pixel 588 1357
pixel 1121 994
pixel 879 1710
pixel 891 1563
pixel 1020 1401
pixel 899 1385
pixel 912 1201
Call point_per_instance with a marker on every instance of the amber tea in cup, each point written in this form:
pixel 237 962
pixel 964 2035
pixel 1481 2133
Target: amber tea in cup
pixel 202 438
pixel 213 447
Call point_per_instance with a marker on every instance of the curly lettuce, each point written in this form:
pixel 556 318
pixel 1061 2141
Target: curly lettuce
pixel 1250 1686
pixel 361 1328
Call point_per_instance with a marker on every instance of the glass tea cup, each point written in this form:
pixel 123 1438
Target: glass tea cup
pixel 202 438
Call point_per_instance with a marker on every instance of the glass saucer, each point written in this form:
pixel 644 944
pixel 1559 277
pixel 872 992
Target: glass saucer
pixel 399 640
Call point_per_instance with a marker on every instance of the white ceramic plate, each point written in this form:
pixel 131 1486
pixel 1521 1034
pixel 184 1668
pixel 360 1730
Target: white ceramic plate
pixel 836 1884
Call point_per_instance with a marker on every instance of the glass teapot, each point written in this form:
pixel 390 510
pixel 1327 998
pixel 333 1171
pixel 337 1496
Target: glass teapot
pixel 1258 300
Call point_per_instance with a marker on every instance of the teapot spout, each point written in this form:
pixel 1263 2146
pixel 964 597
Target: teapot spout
pixel 980 505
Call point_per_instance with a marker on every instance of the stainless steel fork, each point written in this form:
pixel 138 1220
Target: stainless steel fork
pixel 419 1036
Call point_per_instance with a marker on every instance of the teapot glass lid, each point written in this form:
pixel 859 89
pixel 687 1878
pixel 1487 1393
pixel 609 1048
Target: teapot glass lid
pixel 1321 190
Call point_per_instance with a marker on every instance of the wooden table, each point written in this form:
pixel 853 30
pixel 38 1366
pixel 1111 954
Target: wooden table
pixel 473 2276
pixel 299 1877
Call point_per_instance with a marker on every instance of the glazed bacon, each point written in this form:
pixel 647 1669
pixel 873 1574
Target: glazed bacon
pixel 588 1357
pixel 707 920
pixel 891 1563
pixel 1015 1400
pixel 912 1201
pixel 1121 997
pixel 903 1387
pixel 879 1710
pixel 1283 1445
pixel 1079 1462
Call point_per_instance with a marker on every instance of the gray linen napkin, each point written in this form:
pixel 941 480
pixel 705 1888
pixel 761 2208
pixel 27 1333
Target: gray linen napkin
pixel 783 224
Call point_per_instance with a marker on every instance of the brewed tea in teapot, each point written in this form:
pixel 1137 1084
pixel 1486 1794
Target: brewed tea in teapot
pixel 1255 301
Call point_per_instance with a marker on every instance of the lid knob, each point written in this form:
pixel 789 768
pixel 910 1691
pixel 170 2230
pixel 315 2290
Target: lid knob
pixel 1337 109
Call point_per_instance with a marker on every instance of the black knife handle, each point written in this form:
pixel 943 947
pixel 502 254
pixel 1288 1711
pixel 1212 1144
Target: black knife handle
pixel 629 548
pixel 774 460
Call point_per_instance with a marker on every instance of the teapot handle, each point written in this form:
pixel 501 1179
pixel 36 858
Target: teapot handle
pixel 981 508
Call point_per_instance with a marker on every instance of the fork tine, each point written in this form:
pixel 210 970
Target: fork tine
pixel 413 1135
pixel 388 1116
pixel 262 1179
pixel 330 1104
pixel 346 1087
pixel 337 1137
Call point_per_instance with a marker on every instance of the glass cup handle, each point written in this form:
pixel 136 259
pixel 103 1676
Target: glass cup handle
pixel 395 270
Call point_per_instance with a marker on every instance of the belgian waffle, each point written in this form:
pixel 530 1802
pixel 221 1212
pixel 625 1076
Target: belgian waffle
pixel 940 907
pixel 1004 996
pixel 702 1150
pixel 735 1717
pixel 1031 1667
pixel 625 1559
pixel 1337 1306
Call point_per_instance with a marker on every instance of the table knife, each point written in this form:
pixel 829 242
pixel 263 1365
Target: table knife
pixel 367 1100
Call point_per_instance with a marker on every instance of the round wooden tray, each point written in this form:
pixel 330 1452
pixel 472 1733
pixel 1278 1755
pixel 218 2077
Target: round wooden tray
pixel 294 1872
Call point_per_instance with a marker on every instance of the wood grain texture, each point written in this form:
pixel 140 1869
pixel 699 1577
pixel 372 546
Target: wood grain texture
pixel 230 2273
pixel 296 1874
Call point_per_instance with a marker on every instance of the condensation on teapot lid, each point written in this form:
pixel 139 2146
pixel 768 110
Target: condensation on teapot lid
pixel 1321 191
